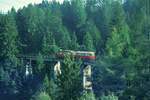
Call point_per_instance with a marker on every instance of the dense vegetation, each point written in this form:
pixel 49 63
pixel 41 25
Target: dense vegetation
pixel 118 32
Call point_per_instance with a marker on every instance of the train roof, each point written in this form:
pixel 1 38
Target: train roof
pixel 79 51
pixel 84 52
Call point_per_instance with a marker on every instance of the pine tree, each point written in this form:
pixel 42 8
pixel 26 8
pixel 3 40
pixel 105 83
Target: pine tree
pixel 9 78
pixel 8 37
pixel 79 14
pixel 101 18
pixel 119 36
pixel 114 44
pixel 49 87
pixel 54 25
pixel 31 32
pixel 138 20
pixel 88 42
pixel 39 64
pixel 48 45
pixel 69 84
pixel 74 44
pixel 77 18
pixel 95 33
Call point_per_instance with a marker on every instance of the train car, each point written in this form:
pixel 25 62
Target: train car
pixel 83 55
pixel 62 54
pixel 86 55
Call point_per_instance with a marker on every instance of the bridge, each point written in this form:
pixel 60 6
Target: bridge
pixel 29 60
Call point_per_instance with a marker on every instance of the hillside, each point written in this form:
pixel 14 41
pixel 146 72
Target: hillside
pixel 119 34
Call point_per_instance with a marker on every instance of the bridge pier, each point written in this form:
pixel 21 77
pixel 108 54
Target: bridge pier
pixel 57 68
pixel 28 68
pixel 87 77
pixel 87 74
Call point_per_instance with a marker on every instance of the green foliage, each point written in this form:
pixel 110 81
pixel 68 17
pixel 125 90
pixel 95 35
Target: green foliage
pixel 114 44
pixel 140 43
pixel 109 97
pixel 54 27
pixel 74 44
pixel 8 62
pixel 75 17
pixel 78 11
pixel 42 96
pixel 9 85
pixel 119 37
pixel 8 37
pixel 39 64
pixel 69 82
pixel 49 87
pixel 118 32
pixel 92 34
pixel 46 83
pixel 87 96
pixel 49 46
pixel 32 30
pixel 88 42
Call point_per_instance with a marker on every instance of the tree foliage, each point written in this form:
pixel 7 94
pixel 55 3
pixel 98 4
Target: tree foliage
pixel 87 96
pixel 69 81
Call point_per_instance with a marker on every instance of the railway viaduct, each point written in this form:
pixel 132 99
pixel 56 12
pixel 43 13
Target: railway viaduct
pixel 55 63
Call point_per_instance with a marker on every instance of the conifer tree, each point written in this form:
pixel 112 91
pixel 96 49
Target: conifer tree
pixel 39 64
pixel 48 45
pixel 69 83
pixel 88 42
pixel 74 44
pixel 8 37
pixel 9 79
pixel 119 35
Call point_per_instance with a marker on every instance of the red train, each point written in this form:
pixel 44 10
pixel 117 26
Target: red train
pixel 84 55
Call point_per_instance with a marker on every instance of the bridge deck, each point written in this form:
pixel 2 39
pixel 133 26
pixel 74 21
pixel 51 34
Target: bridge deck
pixel 35 57
pixel 50 58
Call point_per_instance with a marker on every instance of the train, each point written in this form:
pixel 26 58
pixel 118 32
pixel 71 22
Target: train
pixel 83 55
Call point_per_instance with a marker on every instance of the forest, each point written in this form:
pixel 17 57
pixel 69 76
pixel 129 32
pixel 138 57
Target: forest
pixel 118 31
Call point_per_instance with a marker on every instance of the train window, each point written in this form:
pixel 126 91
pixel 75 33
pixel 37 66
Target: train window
pixel 90 54
pixel 84 54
